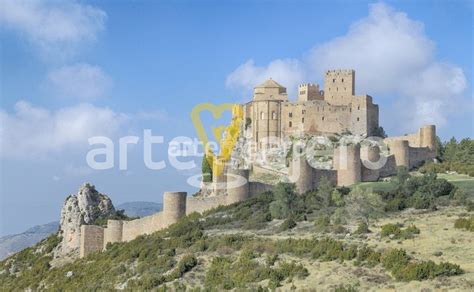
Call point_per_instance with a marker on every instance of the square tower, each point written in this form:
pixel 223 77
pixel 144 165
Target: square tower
pixel 308 92
pixel 339 86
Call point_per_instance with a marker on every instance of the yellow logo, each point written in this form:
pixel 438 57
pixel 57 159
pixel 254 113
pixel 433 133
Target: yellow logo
pixel 232 132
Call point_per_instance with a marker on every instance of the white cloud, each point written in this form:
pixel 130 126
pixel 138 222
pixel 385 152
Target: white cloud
pixel 80 80
pixel 36 132
pixel 392 56
pixel 288 72
pixel 54 26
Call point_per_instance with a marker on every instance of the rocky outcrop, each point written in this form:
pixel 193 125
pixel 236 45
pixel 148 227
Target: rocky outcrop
pixel 85 207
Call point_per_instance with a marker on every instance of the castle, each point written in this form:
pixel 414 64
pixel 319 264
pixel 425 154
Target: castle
pixel 335 111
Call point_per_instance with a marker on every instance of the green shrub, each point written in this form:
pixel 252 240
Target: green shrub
pixel 394 260
pixel 391 229
pixel 465 223
pixel 395 232
pixel 362 228
pixel 286 202
pixel 322 223
pixel 395 204
pixel 287 224
pixel 426 270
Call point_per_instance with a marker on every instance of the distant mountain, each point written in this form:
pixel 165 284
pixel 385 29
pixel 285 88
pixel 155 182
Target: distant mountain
pixel 140 209
pixel 10 244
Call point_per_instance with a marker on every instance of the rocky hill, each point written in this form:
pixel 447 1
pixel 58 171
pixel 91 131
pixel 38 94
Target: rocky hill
pixel 11 244
pixel 85 207
pixel 381 236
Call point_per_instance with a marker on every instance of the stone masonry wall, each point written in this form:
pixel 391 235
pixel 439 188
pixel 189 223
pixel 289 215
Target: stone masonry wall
pixel 92 239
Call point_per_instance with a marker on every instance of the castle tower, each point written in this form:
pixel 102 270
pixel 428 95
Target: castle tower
pixel 113 232
pixel 92 239
pixel 339 86
pixel 266 113
pixel 428 137
pixel 307 92
pixel 370 155
pixel 174 206
pixel 347 162
pixel 237 185
pixel 218 175
pixel 400 149
pixel 301 173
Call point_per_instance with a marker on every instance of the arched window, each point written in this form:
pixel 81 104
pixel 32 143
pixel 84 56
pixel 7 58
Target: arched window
pixel 322 118
pixel 290 124
pixel 290 115
pixel 262 115
pixel 274 115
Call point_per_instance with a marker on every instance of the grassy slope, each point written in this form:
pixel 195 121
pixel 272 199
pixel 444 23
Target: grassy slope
pixel 141 260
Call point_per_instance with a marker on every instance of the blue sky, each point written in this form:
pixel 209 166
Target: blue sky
pixel 117 67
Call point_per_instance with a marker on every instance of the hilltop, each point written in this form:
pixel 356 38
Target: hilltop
pixel 282 239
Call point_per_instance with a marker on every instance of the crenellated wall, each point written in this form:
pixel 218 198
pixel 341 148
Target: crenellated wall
pixel 175 205
pixel 349 167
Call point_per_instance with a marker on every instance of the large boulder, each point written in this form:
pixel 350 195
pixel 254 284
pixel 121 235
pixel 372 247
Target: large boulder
pixel 85 207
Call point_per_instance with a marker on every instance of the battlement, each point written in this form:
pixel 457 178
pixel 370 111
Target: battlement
pixel 339 86
pixel 175 206
pixel 309 91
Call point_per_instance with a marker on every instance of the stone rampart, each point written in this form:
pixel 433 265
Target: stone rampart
pixel 92 239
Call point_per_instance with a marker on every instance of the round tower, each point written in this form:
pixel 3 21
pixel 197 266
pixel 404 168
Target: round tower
pixel 237 185
pixel 174 206
pixel 347 161
pixel 113 232
pixel 370 155
pixel 428 137
pixel 218 175
pixel 372 163
pixel 399 148
pixel 301 173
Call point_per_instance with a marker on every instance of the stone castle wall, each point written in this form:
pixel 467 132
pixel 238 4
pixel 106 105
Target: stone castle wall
pixel 335 110
pixel 92 239
pixel 175 205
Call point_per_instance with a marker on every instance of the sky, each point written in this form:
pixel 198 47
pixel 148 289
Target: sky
pixel 71 70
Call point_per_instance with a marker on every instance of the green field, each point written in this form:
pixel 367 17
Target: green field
pixel 461 181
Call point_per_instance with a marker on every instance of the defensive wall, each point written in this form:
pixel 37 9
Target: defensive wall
pixel 175 205
pixel 351 164
pixel 355 163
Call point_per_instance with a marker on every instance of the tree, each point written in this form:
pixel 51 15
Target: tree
pixel 380 132
pixel 363 203
pixel 286 203
pixel 206 170
pixel 439 148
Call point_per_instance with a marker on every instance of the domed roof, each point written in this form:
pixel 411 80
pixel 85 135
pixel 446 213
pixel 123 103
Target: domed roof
pixel 269 83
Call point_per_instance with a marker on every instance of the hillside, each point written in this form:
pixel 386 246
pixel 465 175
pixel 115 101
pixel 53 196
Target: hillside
pixel 11 244
pixel 390 239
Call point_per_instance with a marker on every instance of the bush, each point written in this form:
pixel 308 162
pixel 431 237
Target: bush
pixel 287 202
pixel 465 223
pixel 427 270
pixel 322 223
pixel 394 259
pixel 395 232
pixel 288 224
pixel 391 229
pixel 362 228
pixel 395 204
